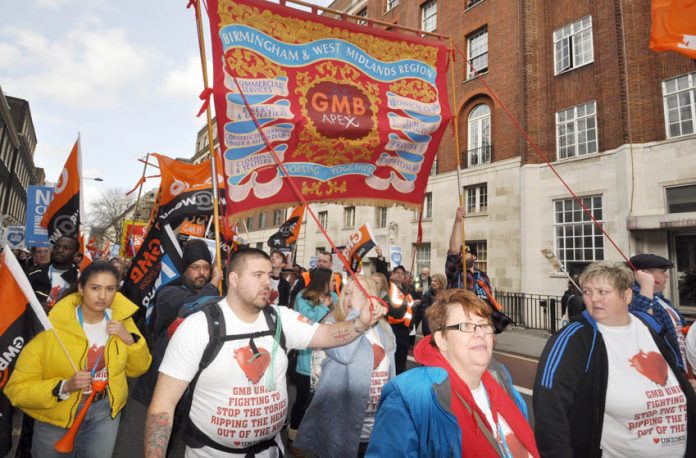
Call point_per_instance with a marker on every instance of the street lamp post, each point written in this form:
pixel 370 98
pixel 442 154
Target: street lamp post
pixel 93 179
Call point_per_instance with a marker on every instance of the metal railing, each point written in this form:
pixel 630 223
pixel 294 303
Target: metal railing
pixel 534 311
pixel 478 156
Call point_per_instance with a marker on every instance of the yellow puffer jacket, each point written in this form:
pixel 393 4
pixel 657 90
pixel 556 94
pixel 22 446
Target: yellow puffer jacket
pixel 43 364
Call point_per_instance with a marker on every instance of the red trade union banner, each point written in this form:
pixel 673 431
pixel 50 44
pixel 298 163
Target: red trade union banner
pixel 674 26
pixel 132 237
pixel 356 114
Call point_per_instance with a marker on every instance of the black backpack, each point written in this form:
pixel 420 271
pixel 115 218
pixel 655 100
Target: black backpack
pixel 193 436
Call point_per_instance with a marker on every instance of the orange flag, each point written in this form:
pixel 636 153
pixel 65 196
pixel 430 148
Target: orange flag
pixel 674 26
pixel 62 217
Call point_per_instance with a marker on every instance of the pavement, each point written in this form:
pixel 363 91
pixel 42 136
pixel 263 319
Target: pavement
pixel 521 341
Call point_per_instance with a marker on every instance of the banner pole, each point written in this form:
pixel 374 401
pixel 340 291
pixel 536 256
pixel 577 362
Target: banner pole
pixel 211 149
pixel 455 126
pixel 140 188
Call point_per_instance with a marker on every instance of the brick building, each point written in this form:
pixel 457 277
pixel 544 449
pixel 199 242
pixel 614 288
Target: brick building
pixel 613 117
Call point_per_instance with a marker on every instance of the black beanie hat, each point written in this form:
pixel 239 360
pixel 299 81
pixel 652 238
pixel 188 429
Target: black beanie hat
pixel 195 250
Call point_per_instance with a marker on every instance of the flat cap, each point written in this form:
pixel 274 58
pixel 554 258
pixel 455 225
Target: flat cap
pixel 650 261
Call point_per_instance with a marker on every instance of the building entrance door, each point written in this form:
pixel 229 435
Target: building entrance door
pixel 684 275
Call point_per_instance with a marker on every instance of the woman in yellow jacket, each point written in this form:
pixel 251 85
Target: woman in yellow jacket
pixel 96 327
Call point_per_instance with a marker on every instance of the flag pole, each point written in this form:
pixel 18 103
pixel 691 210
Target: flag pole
pixel 455 126
pixel 211 149
pixel 140 188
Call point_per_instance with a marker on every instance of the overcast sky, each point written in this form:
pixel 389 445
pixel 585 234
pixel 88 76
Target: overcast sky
pixel 124 74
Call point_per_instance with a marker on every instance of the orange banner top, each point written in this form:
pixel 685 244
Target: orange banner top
pixel 179 177
pixel 62 217
pixel 674 26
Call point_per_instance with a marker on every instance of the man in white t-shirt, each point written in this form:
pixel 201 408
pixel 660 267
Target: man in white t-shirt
pixel 652 275
pixel 240 400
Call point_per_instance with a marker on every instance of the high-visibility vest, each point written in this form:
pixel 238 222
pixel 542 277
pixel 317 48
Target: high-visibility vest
pixel 398 300
pixel 337 276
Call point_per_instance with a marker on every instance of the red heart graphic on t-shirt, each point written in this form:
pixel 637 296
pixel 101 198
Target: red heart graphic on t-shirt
pixel 651 365
pixel 516 448
pixel 253 365
pixel 273 298
pixel 378 352
pixel 656 439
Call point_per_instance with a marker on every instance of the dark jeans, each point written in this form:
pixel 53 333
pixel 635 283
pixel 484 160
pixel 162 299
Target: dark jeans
pixel 301 401
pixel 403 341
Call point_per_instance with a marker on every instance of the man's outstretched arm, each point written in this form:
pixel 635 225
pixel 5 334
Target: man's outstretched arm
pixel 160 415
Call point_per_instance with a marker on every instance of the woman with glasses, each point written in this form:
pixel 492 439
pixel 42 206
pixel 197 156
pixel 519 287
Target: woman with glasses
pixel 608 384
pixel 452 406
pixel 95 324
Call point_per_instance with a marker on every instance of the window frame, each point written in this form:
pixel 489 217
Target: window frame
pixel 390 5
pixel 569 32
pixel 670 204
pixel 691 90
pixel 469 39
pixel 479 191
pixel 576 130
pixel 481 247
pixel 483 148
pixel 426 18
pixel 349 217
pixel 420 260
pixel 381 216
pixel 323 217
pixel 597 238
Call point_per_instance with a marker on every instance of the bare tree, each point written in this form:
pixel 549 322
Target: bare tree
pixel 107 213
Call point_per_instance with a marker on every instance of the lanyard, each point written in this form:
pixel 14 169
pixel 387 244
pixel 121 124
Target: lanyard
pixel 82 323
pixel 500 436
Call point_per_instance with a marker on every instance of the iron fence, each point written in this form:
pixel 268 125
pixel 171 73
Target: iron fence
pixel 534 311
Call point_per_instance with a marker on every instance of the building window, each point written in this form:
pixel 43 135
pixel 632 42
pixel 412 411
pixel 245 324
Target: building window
pixel 391 4
pixel 576 131
pixel 572 45
pixel 277 216
pixel 422 257
pixel 349 217
pixel 361 13
pixel 578 241
pixel 477 53
pixel 481 249
pixel 319 250
pixel 259 246
pixel 680 105
pixel 429 16
pixel 681 199
pixel 471 3
pixel 479 151
pixel 433 169
pixel 428 205
pixel 262 220
pixel 382 216
pixel 250 223
pixel 476 198
pixel 323 218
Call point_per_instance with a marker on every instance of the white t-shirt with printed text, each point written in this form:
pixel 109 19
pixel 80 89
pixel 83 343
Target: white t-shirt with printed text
pixel 645 408
pixel 96 341
pixel 234 403
pixel 380 376
pixel 506 438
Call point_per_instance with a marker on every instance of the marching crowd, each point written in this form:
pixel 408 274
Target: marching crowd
pixel 214 369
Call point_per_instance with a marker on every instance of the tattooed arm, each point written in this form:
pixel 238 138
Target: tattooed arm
pixel 344 332
pixel 160 415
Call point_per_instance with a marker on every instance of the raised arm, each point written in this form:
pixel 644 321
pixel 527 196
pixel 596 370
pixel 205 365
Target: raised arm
pixel 455 244
pixel 343 332
pixel 160 415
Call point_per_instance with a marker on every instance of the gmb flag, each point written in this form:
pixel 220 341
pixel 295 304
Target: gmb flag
pixel 355 114
pixel 674 26
pixel 185 191
pixel 21 316
pixel 289 231
pixel 360 242
pixel 62 217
